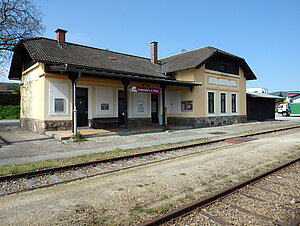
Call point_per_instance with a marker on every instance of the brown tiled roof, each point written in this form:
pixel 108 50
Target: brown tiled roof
pixel 49 51
pixel 186 60
pixel 198 57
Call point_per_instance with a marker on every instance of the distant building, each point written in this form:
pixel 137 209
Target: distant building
pixel 257 90
pixel 8 87
pixel 3 87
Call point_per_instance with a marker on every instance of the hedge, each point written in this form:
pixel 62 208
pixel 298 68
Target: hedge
pixel 10 112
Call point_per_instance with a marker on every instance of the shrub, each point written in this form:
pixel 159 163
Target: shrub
pixel 10 112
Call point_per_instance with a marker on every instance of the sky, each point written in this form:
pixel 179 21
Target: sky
pixel 266 33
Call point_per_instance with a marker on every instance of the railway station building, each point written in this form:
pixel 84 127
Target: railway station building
pixel 198 88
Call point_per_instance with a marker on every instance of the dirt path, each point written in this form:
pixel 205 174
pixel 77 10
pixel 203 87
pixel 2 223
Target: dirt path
pixel 146 191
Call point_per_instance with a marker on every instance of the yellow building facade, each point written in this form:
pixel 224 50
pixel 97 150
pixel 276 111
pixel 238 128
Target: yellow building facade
pixel 206 88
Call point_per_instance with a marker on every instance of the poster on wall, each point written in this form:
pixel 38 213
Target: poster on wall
pixel 140 106
pixel 104 107
pixel 186 105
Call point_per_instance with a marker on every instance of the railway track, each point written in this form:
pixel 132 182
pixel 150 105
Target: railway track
pixel 271 198
pixel 17 183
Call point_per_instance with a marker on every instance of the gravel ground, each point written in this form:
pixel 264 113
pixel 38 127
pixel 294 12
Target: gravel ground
pixel 142 193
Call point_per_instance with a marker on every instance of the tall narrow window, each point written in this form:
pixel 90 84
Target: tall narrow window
pixel 233 103
pixel 223 102
pixel 211 102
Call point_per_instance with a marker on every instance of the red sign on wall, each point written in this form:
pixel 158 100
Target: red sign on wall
pixel 136 89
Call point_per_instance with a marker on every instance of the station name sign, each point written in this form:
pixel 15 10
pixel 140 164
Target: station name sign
pixel 136 89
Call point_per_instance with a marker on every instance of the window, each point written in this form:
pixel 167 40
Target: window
pixel 233 103
pixel 211 102
pixel 223 67
pixel 104 107
pixel 59 105
pixel 223 102
pixel 187 105
pixel 140 106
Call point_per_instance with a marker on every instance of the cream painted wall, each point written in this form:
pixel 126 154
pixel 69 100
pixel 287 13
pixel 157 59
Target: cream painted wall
pixel 216 82
pixel 32 92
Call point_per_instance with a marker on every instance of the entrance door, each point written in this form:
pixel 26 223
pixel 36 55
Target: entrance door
pixel 154 108
pixel 82 106
pixel 121 107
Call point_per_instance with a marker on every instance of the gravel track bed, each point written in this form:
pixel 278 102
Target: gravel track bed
pixel 105 167
pixel 42 180
pixel 268 209
pixel 87 170
pixel 14 185
pixel 233 216
pixel 280 203
pixel 66 175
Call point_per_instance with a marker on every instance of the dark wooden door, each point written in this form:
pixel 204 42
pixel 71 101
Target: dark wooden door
pixel 154 108
pixel 82 106
pixel 121 107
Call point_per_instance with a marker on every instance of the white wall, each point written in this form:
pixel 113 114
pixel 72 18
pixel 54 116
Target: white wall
pixel 105 95
pixel 141 105
pixel 173 102
pixel 58 90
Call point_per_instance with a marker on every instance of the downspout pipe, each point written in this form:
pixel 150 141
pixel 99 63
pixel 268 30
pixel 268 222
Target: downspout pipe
pixel 74 83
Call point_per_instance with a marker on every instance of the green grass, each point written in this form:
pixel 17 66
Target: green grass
pixel 10 112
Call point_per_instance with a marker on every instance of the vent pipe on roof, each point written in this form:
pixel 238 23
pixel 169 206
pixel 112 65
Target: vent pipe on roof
pixel 153 45
pixel 61 35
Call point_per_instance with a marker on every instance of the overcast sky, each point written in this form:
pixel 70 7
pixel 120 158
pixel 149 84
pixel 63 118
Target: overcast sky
pixel 264 32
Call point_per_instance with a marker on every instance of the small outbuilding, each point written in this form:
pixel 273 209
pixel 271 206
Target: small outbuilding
pixel 261 106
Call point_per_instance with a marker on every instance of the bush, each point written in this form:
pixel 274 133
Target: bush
pixel 10 112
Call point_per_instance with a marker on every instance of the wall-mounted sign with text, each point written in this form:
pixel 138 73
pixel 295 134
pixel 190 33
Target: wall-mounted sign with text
pixel 136 89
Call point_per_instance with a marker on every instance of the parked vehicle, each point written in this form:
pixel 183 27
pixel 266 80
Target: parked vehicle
pixel 289 109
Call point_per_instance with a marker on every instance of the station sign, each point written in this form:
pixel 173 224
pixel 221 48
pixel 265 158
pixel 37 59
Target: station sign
pixel 137 89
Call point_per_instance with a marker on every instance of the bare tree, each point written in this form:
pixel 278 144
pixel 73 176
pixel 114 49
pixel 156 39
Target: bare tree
pixel 18 19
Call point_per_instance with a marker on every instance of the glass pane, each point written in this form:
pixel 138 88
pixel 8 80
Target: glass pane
pixel 59 105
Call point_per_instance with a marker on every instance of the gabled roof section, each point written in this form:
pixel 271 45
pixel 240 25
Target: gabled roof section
pixel 50 51
pixel 196 58
pixel 264 95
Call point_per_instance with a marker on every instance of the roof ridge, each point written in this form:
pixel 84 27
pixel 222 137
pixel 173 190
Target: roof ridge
pixel 90 47
pixel 187 52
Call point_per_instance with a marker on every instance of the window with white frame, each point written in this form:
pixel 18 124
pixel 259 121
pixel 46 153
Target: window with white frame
pixel 233 103
pixel 211 102
pixel 59 105
pixel 223 102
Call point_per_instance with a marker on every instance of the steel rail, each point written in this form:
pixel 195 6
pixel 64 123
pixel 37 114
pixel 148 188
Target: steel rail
pixel 185 210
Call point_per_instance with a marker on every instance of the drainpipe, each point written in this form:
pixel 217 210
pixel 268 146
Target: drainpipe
pixel 74 82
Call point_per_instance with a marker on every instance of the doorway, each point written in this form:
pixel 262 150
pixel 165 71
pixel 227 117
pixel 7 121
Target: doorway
pixel 82 106
pixel 154 108
pixel 121 107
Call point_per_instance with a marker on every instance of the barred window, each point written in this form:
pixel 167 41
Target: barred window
pixel 59 105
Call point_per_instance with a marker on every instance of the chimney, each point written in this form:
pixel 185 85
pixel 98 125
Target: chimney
pixel 61 35
pixel 153 52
